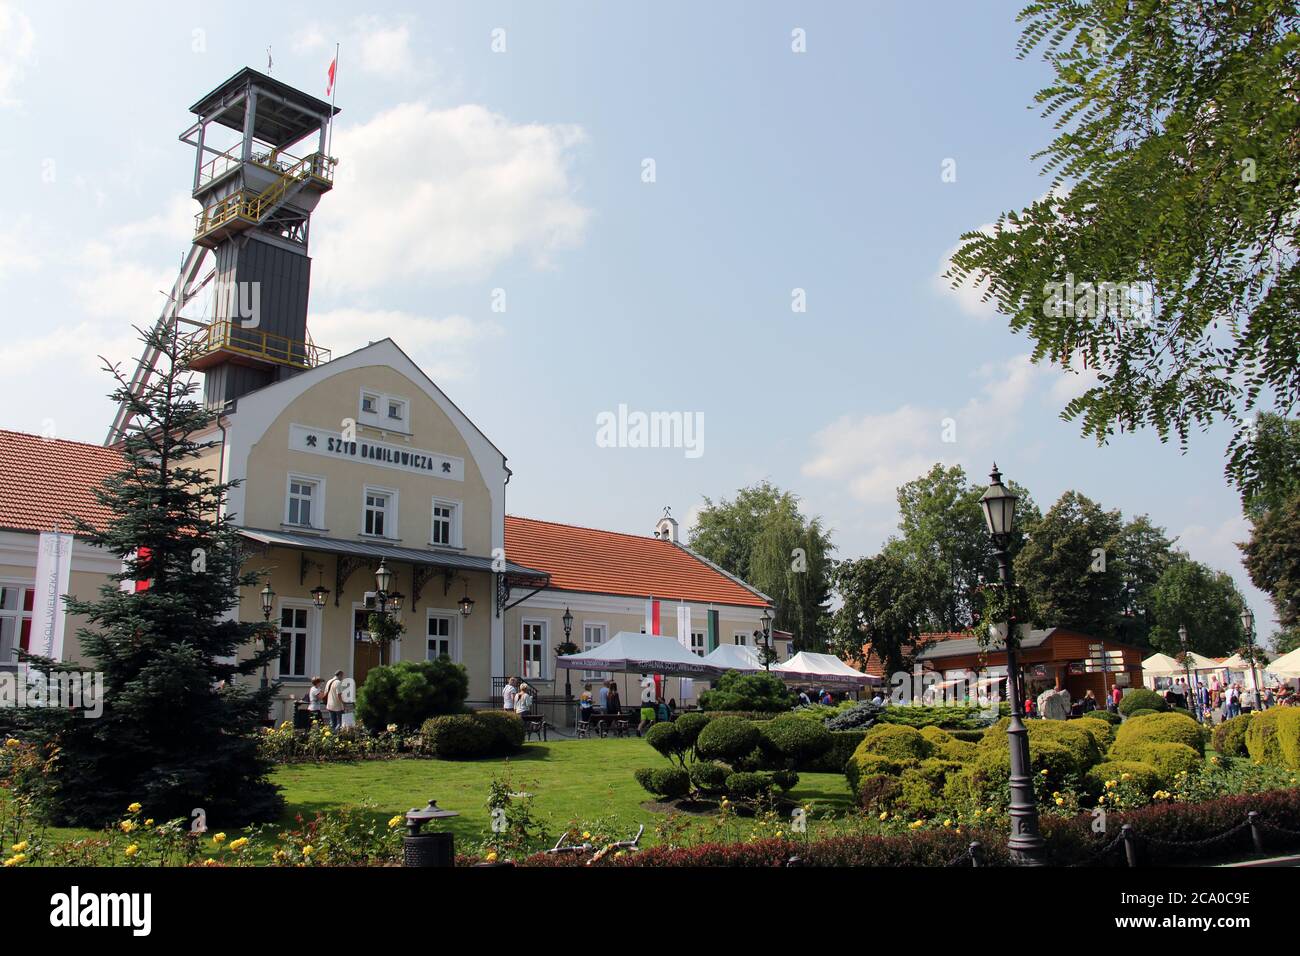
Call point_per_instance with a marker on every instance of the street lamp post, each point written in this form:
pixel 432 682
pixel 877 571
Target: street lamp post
pixel 1025 844
pixel 268 601
pixel 1187 669
pixel 567 620
pixel 1248 623
pixel 765 635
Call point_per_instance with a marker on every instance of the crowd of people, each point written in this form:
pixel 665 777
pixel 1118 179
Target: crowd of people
pixel 1219 700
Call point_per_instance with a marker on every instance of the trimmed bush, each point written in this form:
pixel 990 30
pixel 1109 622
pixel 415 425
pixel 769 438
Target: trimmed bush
pixel 727 739
pixel 1143 711
pixel 667 739
pixel 507 730
pixel 947 747
pixel 921 788
pixel 1106 715
pixel 709 776
pixel 409 692
pixel 1143 774
pixel 1261 737
pixel 858 717
pixel 797 741
pixel 896 742
pixel 457 736
pixel 1141 699
pixel 1080 744
pixel 863 764
pixel 1169 759
pixel 667 783
pixel 1230 736
pixel 843 744
pixel 749 786
pixel 689 727
pixel 737 691
pixel 1102 733
pixel 970 736
pixel 1288 735
pixel 1167 728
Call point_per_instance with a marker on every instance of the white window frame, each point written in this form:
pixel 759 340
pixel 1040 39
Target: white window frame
pixel 545 647
pixel 379 417
pixel 457 511
pixel 744 638
pixel 311 652
pixel 18 615
pixel 375 399
pixel 390 511
pixel 453 616
pixel 318 499
pixel 587 646
pixel 704 643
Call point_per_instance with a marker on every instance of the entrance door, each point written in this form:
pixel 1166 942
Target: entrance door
pixel 365 655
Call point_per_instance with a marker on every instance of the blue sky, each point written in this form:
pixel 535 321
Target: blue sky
pixel 464 170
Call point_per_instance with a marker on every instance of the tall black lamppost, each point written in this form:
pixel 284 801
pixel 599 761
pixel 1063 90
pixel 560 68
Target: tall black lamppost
pixel 268 601
pixel 1248 623
pixel 1187 669
pixel 764 634
pixel 567 620
pixel 1026 844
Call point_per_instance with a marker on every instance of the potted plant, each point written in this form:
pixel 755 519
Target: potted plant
pixel 384 628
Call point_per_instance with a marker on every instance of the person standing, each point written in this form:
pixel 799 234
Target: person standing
pixel 316 701
pixel 509 693
pixel 524 700
pixel 334 702
pixel 612 704
pixel 604 698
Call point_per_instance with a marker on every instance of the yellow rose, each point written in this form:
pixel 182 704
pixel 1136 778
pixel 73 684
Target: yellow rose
pixel 12 742
pixel 20 847
pixel 219 839
pixel 308 850
pixel 917 823
pixel 947 823
pixel 1060 801
pixel 127 826
pixel 149 822
pixel 132 850
pixel 16 860
pixel 884 815
pixel 209 862
pixel 395 821
pixel 1043 772
pixel 1125 776
pixel 1101 799
pixel 133 808
pixel 239 844
pixel 779 834
pixel 586 834
pixel 492 856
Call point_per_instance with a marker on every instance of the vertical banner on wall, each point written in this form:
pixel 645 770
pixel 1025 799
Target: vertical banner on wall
pixel 713 631
pixel 652 616
pixel 684 639
pixel 53 568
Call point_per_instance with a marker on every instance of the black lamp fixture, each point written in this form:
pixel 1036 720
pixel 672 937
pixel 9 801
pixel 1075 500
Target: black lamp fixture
pixel 1026 844
pixel 764 634
pixel 1248 625
pixel 383 577
pixel 395 600
pixel 1183 641
pixel 466 603
pixel 320 592
pixel 268 600
pixel 567 621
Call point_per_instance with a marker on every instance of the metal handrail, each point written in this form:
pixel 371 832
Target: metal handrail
pixel 253 206
pixel 257 343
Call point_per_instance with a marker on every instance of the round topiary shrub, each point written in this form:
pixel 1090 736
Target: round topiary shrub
pixel 689 727
pixel 410 692
pixel 1143 711
pixel 709 776
pixel 1141 699
pixel 947 747
pixel 1261 736
pixel 921 788
pixel 864 764
pixel 797 740
pixel 668 783
pixel 665 738
pixel 895 742
pixel 1106 715
pixel 1077 741
pixel 1143 775
pixel 1230 736
pixel 1170 760
pixel 1167 728
pixel 727 739
pixel 1288 736
pixel 507 730
pixel 456 737
pixel 749 786
pixel 1103 734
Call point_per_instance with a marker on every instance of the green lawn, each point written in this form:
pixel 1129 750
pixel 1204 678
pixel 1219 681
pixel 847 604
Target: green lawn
pixel 570 780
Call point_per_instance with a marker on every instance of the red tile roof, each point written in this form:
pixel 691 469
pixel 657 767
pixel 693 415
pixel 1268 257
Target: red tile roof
pixel 43 480
pixel 609 562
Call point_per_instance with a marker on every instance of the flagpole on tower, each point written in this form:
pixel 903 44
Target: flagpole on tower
pixel 333 91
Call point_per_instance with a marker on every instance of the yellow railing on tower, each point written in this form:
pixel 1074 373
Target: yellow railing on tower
pixel 252 206
pixel 223 335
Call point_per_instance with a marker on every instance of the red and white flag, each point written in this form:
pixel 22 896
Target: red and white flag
pixel 334 65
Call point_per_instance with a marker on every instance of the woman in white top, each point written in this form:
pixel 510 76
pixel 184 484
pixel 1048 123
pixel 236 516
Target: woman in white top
pixel 524 700
pixel 316 699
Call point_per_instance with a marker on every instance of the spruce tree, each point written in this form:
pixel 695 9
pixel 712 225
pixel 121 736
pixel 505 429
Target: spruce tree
pixel 178 729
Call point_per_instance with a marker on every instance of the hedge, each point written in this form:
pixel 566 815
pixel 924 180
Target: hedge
pixel 843 743
pixel 1261 736
pixel 1288 736
pixel 1143 774
pixel 482 733
pixel 946 746
pixel 727 738
pixel 1102 732
pixel 1173 727
pixel 666 782
pixel 895 742
pixel 1141 699
pixel 1166 834
pixel 1080 744
pixel 1169 759
pixel 1230 736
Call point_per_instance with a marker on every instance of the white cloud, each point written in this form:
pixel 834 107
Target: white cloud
pixel 16 254
pixel 445 194
pixel 970 293
pixel 118 288
pixel 175 224
pixel 17 52
pixel 309 38
pixel 873 454
pixel 442 347
pixel 385 50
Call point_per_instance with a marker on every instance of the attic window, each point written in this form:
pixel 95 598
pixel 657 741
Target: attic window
pixel 397 411
pixel 370 404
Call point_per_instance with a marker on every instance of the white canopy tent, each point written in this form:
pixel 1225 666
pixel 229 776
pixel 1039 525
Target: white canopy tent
pixel 733 657
pixel 1286 666
pixel 824 670
pixel 1161 665
pixel 628 652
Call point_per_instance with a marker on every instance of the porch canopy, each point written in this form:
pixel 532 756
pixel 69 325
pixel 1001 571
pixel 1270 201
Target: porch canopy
pixel 628 652
pixel 733 657
pixel 824 670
